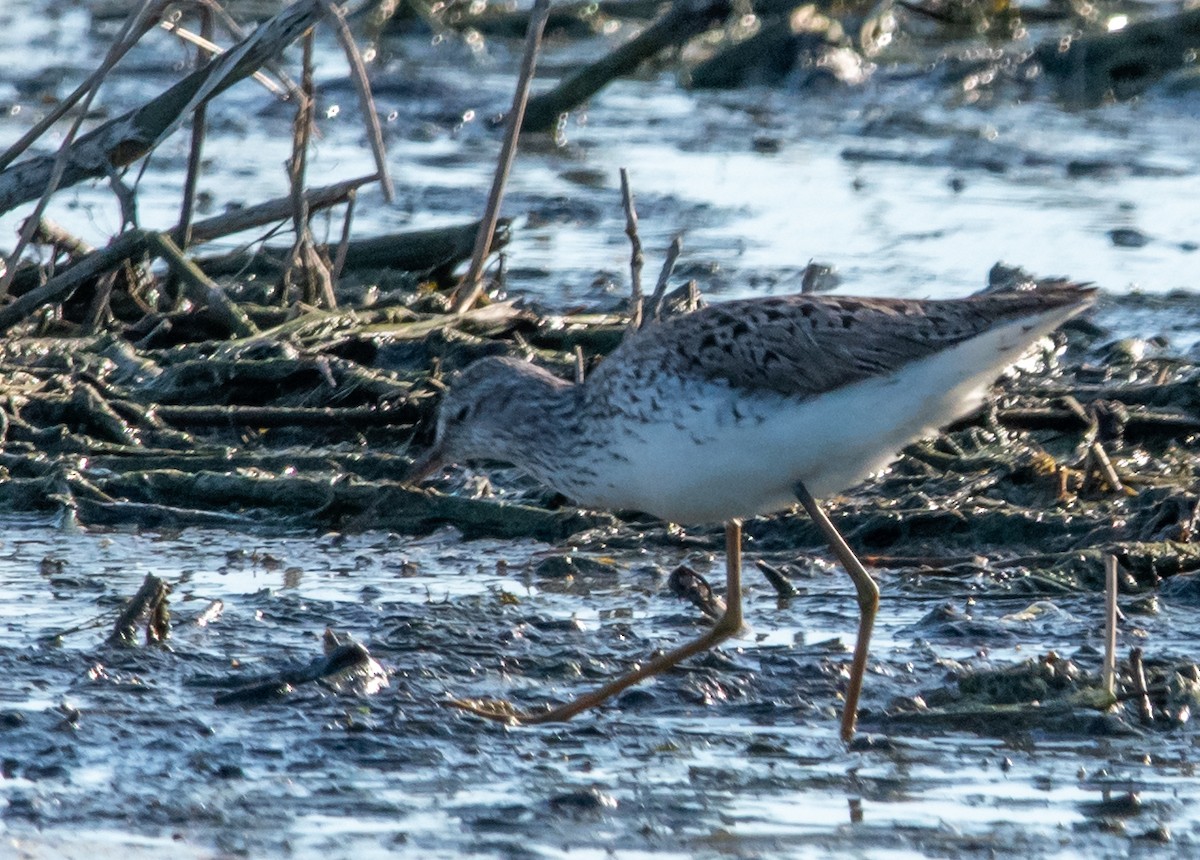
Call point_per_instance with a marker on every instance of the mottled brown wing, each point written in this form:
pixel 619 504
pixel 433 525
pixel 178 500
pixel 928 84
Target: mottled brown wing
pixel 803 345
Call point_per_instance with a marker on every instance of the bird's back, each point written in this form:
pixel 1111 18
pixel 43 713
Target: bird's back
pixel 804 345
pixel 719 413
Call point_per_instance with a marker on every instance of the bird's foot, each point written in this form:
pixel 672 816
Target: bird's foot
pixel 499 710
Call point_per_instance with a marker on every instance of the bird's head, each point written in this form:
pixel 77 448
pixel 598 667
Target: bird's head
pixel 486 412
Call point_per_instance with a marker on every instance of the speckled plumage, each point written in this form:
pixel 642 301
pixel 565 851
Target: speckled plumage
pixel 719 413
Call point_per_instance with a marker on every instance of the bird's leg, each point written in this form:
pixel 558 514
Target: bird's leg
pixel 727 625
pixel 868 604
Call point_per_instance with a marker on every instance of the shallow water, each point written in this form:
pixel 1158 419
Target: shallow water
pixel 833 189
pixel 736 755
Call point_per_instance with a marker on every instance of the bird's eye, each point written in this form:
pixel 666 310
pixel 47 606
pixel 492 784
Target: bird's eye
pixel 460 415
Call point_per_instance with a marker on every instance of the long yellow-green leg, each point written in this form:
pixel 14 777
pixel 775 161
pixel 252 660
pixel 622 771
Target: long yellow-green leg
pixel 868 605
pixel 727 625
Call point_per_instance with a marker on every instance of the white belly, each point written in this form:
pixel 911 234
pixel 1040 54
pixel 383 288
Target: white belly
pixel 702 465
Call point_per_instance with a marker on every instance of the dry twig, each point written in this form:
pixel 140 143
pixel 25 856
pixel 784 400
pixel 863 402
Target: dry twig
pixel 1137 674
pixel 182 233
pixel 200 288
pixel 271 211
pixel 132 243
pixel 204 42
pixel 343 248
pixel 580 365
pixel 636 257
pixel 660 289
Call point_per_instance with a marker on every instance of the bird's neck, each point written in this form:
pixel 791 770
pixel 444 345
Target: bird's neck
pixel 545 431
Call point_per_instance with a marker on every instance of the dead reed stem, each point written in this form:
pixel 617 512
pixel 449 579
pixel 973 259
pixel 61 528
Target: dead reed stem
pixel 236 31
pixel 132 243
pixel 317 287
pixel 200 288
pixel 205 43
pixel 99 315
pixel 298 163
pixel 471 285
pixel 1104 464
pixel 182 234
pixel 271 211
pixel 580 365
pixel 135 133
pixel 343 248
pixel 362 84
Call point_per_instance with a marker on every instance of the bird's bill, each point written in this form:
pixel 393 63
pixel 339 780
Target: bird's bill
pixel 424 466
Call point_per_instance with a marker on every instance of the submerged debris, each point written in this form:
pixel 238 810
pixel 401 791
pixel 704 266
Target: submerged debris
pixel 1053 694
pixel 150 604
pixel 346 668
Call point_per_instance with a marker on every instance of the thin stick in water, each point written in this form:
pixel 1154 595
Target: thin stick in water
pixel 98 313
pixel 580 366
pixel 1104 464
pixel 318 288
pixel 206 43
pixel 1110 625
pixel 1137 672
pixel 298 164
pixel 234 29
pixel 277 209
pixel 200 288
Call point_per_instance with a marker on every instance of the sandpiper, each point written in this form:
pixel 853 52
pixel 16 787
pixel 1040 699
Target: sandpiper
pixel 743 408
